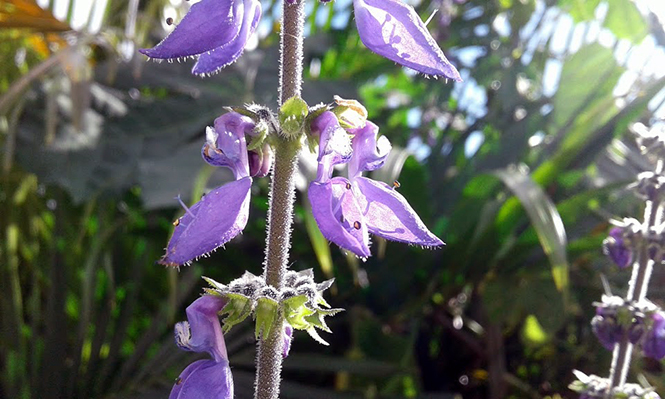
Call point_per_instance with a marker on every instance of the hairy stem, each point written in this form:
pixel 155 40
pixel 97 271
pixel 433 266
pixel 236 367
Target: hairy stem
pixel 282 195
pixel 637 290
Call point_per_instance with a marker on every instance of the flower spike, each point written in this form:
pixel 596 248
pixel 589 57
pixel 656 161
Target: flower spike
pixel 395 31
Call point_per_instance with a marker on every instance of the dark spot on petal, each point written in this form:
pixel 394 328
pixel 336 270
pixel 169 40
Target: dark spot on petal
pixel 169 21
pixel 356 225
pixel 341 219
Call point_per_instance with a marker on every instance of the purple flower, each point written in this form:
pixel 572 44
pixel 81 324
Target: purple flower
pixel 210 378
pixel 616 249
pixel 606 328
pixel 346 210
pixel 214 30
pixel 395 31
pixel 653 345
pixel 221 214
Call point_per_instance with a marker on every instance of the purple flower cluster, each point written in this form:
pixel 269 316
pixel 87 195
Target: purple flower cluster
pixel 643 323
pixel 221 214
pixel 347 210
pixel 216 32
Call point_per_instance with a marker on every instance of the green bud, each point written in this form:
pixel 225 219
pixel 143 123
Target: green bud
pixel 292 115
pixel 350 113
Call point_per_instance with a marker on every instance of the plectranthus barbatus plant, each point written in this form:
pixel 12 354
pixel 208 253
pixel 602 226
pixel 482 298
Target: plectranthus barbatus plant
pixel 253 141
pixel 633 323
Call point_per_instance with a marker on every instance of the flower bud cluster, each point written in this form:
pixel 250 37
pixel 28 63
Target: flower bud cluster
pixel 594 387
pixel 625 239
pixel 299 302
pixel 642 322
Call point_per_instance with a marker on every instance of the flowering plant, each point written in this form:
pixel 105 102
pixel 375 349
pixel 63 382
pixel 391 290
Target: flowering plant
pixel 251 141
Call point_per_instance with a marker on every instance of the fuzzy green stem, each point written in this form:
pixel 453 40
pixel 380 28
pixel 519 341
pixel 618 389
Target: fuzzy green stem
pixel 637 290
pixel 282 196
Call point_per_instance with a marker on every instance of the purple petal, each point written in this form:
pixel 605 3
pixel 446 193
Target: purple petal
pixel 616 249
pixel 210 223
pixel 389 215
pixel 204 379
pixel 338 215
pixel 395 31
pixel 202 331
pixel 225 144
pixel 227 54
pixel 368 152
pixel 260 162
pixel 287 336
pixel 606 330
pixel 334 144
pixel 654 342
pixel 209 24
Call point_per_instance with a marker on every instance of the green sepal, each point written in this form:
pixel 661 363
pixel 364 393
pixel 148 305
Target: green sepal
pixel 265 313
pixel 577 386
pixel 292 114
pixel 215 285
pixel 624 317
pixel 212 291
pixel 261 129
pixel 317 321
pixel 237 308
pixel 243 111
pixel 295 312
pixel 315 335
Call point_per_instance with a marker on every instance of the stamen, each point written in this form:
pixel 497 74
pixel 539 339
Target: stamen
pixel 396 184
pixel 169 21
pixel 176 222
pixel 356 225
pixel 178 380
pixel 348 186
pixel 184 206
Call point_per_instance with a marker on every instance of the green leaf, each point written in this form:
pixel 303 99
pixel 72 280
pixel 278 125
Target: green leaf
pixel 625 21
pixel 592 67
pixel 545 219
pixel 580 10
pixel 319 243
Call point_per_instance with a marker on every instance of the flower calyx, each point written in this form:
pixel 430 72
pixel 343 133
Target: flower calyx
pixel 299 302
pixel 292 116
pixel 593 386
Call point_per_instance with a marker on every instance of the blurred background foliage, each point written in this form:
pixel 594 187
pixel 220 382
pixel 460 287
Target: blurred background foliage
pixel 517 168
